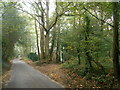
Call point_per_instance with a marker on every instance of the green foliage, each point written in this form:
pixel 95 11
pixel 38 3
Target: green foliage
pixel 95 75
pixel 106 81
pixel 12 29
pixel 5 67
pixel 33 56
pixel 98 43
pixel 75 67
pixel 16 36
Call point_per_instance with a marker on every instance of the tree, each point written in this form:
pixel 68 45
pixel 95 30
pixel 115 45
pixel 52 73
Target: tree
pixel 37 40
pixel 87 50
pixel 12 28
pixel 116 39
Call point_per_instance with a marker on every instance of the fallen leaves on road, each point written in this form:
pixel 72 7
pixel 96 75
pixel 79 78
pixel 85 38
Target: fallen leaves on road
pixel 5 78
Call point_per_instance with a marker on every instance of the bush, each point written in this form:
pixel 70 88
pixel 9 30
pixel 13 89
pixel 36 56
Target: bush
pixel 33 56
pixel 5 67
pixel 96 75
pixel 73 66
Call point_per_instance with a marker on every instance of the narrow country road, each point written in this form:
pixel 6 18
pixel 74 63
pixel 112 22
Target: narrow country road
pixel 25 76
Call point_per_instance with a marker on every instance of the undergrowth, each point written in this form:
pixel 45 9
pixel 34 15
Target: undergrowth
pixel 96 75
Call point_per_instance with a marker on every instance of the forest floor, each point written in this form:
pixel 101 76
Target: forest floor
pixel 63 76
pixel 4 78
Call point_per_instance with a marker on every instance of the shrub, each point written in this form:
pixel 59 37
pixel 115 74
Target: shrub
pixel 75 67
pixel 33 56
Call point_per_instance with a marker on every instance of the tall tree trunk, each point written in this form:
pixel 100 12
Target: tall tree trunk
pixel 47 32
pixel 58 52
pixel 47 46
pixel 58 44
pixel 42 45
pixel 53 42
pixel 78 49
pixel 37 40
pixel 116 40
pixel 101 45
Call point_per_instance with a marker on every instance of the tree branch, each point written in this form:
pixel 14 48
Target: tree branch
pixel 32 17
pixel 98 18
pixel 57 16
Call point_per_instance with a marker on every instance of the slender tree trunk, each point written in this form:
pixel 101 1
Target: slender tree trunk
pixel 53 42
pixel 88 58
pixel 101 35
pixel 42 40
pixel 58 52
pixel 58 44
pixel 62 56
pixel 47 33
pixel 116 40
pixel 102 22
pixel 47 46
pixel 78 52
pixel 99 65
pixel 37 40
pixel 87 52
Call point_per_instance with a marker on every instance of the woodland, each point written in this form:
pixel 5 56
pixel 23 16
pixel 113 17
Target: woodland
pixel 80 36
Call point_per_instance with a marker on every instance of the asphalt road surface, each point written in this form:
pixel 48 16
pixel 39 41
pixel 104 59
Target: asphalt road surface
pixel 25 76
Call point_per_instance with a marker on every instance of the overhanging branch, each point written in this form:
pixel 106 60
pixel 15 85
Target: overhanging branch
pixel 98 18
pixel 33 17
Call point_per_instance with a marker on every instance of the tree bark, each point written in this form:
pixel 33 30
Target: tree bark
pixel 47 32
pixel 116 40
pixel 47 46
pixel 78 52
pixel 42 46
pixel 87 50
pixel 53 42
pixel 58 44
pixel 37 40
